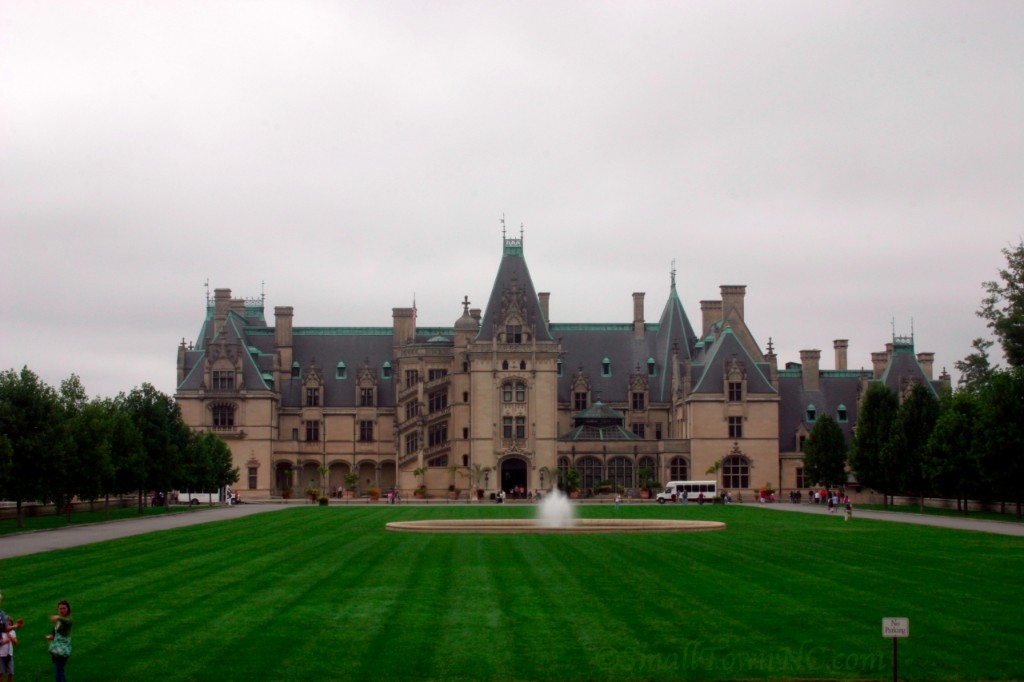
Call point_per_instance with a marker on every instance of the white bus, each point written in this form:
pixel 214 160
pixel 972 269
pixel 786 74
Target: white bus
pixel 692 490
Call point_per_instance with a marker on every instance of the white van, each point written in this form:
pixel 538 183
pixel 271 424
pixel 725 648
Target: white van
pixel 193 498
pixel 692 489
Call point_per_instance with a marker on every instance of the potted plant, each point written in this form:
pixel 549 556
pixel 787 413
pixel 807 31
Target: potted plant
pixel 312 493
pixel 572 483
pixel 374 493
pixel 645 482
pixel 421 492
pixel 351 480
pixel 323 500
pixel 453 492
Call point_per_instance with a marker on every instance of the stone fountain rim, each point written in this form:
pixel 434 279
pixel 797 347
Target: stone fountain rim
pixel 537 526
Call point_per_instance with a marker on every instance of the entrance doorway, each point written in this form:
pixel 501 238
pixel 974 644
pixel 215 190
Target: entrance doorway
pixel 513 475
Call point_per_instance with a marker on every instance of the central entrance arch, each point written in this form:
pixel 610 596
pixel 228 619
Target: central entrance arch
pixel 513 474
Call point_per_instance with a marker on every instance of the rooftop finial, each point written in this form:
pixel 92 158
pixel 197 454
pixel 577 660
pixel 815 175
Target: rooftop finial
pixel 502 227
pixel 673 273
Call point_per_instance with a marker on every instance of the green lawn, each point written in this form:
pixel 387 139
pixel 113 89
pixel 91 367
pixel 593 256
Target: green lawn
pixel 316 593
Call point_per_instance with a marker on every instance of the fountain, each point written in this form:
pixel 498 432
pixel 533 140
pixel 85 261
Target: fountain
pixel 556 510
pixel 556 515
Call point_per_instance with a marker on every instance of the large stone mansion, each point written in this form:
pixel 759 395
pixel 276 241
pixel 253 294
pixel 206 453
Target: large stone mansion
pixel 505 398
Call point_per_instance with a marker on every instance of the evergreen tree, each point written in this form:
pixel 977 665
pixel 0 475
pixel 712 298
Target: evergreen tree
pixel 874 428
pixel 904 454
pixel 825 453
pixel 952 458
pixel 976 367
pixel 1001 435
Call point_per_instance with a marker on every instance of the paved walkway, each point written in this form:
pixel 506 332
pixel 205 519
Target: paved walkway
pixel 954 522
pixel 46 540
pixel 59 538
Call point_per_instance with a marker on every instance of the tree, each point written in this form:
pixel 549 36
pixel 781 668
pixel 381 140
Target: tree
pixel 30 419
pixel 905 454
pixel 825 453
pixel 976 367
pixel 1003 307
pixel 874 427
pixel 1000 429
pixel 951 458
pixel 164 437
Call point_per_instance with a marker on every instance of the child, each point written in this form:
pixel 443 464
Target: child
pixel 848 510
pixel 7 641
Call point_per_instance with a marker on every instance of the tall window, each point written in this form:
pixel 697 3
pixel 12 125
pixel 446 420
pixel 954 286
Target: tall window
pixel 506 427
pixel 252 478
pixel 638 400
pixel 312 431
pixel 412 409
pixel 679 469
pixel 366 397
pixel 620 472
pixel 639 429
pixel 412 377
pixel 365 430
pixel 513 333
pixel 521 428
pixel 520 392
pixel 579 401
pixel 506 393
pixel 735 472
pixel 223 416
pixel 312 397
pixel 412 442
pixel 657 431
pixel 800 482
pixel 735 427
pixel 735 391
pixel 437 435
pixel 437 401
pixel 223 380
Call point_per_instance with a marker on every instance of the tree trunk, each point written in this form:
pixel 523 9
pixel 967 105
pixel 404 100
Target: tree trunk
pixel 141 503
pixel 21 521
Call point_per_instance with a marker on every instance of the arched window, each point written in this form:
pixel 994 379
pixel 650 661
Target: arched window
pixel 735 472
pixel 679 469
pixel 606 367
pixel 652 369
pixel 812 413
pixel 647 463
pixel 620 472
pixel 841 413
pixel 341 372
pixel 590 472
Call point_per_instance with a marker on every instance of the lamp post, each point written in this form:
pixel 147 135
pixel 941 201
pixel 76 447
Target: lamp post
pixel 542 480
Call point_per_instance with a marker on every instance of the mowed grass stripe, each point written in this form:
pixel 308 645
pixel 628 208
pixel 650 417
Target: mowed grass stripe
pixel 313 593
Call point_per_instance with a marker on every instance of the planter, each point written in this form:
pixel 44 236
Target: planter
pixel 645 494
pixel 323 501
pixel 453 495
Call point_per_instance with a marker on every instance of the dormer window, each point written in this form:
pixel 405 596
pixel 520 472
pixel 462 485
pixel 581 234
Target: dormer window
pixel 366 397
pixel 639 400
pixel 841 413
pixel 606 367
pixel 223 380
pixel 559 366
pixel 385 371
pixel 296 370
pixel 652 368
pixel 341 372
pixel 812 413
pixel 513 333
pixel 735 391
pixel 312 397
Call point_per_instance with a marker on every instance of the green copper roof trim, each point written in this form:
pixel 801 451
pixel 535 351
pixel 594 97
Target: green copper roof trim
pixel 592 327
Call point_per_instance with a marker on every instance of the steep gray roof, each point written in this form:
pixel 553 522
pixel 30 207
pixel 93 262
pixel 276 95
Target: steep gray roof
pixel 513 275
pixel 708 375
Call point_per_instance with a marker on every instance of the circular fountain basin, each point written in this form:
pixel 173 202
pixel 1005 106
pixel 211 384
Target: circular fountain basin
pixel 520 526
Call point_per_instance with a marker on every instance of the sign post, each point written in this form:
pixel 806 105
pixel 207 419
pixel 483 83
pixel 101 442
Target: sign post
pixel 894 629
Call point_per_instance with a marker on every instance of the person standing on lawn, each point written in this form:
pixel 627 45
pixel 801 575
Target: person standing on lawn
pixel 7 641
pixel 60 640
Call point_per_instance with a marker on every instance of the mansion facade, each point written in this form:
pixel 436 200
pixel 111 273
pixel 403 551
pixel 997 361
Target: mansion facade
pixel 506 399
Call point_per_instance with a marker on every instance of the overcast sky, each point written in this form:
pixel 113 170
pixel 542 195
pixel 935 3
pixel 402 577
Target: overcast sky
pixel 858 165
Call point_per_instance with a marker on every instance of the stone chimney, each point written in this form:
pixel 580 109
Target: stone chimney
pixel 711 312
pixel 544 297
pixel 221 304
pixel 404 326
pixel 283 343
pixel 475 314
pixel 732 299
pixel 927 362
pixel 840 346
pixel 638 315
pixel 810 361
pixel 879 361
